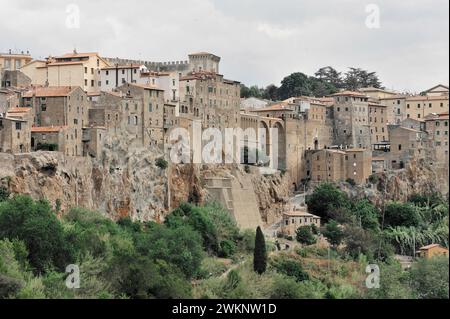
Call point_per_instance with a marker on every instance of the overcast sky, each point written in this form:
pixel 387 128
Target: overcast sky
pixel 260 41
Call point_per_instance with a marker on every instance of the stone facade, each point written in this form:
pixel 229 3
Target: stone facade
pixel 60 106
pixel 351 120
pixel 338 165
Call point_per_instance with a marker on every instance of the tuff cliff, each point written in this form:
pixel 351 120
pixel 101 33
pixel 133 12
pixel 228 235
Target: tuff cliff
pixel 417 177
pixel 125 182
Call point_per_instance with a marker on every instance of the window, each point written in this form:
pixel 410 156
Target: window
pixel 18 126
pixel 107 72
pixel 92 70
pixel 75 121
pixel 85 82
pixel 85 70
pixel 107 82
pixel 92 83
pixel 400 147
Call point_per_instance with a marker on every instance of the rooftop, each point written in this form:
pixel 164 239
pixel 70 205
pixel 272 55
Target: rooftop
pixel 47 129
pixel 350 93
pixel 51 91
pixel 426 98
pixel 275 107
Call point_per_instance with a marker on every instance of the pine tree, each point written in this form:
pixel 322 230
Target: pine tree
pixel 260 254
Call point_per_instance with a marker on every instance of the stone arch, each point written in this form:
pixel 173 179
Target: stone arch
pixel 264 138
pixel 281 145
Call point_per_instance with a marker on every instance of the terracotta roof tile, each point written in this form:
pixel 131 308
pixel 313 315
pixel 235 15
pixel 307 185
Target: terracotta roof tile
pixel 47 129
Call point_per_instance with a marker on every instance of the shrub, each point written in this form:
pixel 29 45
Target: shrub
pixel 285 288
pixel 373 179
pixel 227 249
pixel 333 233
pixel 162 163
pixel 47 147
pixel 305 236
pixel 291 268
pixel 4 193
pixel 326 200
pixel 399 214
pixel 351 181
pixel 35 224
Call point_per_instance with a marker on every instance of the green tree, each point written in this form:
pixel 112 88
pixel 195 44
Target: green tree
pixel 399 214
pixel 305 235
pixel 333 233
pixel 366 214
pixel 37 226
pixel 430 278
pixel 260 253
pixel 330 75
pixel 296 84
pixel 326 200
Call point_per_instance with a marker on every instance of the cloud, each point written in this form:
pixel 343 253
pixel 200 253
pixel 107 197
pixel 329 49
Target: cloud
pixel 260 41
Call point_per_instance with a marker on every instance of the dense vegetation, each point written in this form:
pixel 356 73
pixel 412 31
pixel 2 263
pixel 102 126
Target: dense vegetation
pixel 199 252
pixel 400 228
pixel 326 81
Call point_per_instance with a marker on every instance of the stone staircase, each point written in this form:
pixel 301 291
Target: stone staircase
pixel 237 195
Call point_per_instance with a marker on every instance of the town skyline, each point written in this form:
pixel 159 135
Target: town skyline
pixel 258 47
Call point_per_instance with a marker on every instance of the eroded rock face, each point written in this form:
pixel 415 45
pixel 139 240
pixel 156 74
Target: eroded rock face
pixel 124 182
pixel 417 177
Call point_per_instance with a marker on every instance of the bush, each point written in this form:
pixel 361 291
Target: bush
pixel 162 163
pixel 227 249
pixel 4 193
pixel 399 214
pixel 367 215
pixel 36 225
pixel 373 179
pixel 430 278
pixel 333 233
pixel 351 181
pixel 285 288
pixel 326 200
pixel 305 236
pixel 291 268
pixel 47 147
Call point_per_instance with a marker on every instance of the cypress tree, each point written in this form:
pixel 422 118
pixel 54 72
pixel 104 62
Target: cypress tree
pixel 260 254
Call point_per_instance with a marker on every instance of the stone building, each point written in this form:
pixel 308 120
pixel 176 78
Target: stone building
pixel 15 131
pixel 438 90
pixel 418 107
pixel 351 120
pixel 51 138
pixel 61 107
pixel 117 75
pixel 211 98
pixel 407 145
pixel 437 126
pixel 396 108
pixel 72 69
pixel 14 61
pixel 330 165
pixel 378 123
pixel 14 79
pixel 377 94
pixel 147 114
pixel 296 218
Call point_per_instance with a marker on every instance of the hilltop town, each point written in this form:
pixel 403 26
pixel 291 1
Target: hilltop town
pixel 150 178
pixel 72 104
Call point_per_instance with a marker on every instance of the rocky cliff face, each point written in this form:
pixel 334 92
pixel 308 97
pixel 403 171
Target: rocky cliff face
pixel 417 177
pixel 125 182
